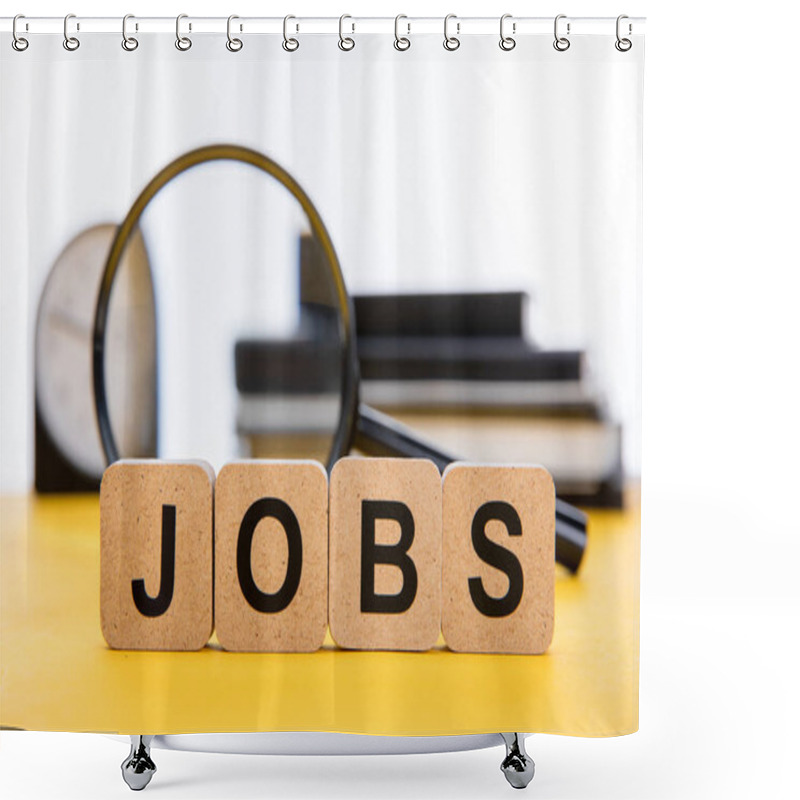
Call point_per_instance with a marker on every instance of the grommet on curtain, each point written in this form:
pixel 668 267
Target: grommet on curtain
pixel 71 43
pixel 561 43
pixel 623 44
pixel 129 43
pixel 290 44
pixel 181 42
pixel 451 42
pixel 507 42
pixel 19 43
pixel 346 42
pixel 233 44
pixel 401 43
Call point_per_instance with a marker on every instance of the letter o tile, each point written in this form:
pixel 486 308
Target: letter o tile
pixel 271 543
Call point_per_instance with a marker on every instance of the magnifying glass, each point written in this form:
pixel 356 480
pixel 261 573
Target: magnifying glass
pixel 311 364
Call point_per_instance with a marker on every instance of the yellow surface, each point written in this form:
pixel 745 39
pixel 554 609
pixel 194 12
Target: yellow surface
pixel 58 675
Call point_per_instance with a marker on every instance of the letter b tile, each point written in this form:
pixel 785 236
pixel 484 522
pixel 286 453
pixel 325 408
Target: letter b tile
pixel 385 554
pixel 156 555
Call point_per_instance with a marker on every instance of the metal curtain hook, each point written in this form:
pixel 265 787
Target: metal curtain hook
pixel 561 43
pixel 623 44
pixel 507 42
pixel 71 43
pixel 181 42
pixel 451 42
pixel 401 42
pixel 19 43
pixel 233 44
pixel 346 42
pixel 129 43
pixel 290 44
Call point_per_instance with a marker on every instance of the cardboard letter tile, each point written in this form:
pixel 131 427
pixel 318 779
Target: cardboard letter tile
pixel 156 555
pixel 271 538
pixel 385 553
pixel 498 579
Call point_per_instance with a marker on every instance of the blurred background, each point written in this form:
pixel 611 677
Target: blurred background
pixel 486 218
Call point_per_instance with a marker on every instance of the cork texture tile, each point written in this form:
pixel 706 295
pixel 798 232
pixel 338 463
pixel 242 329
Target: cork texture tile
pixel 156 555
pixel 385 554
pixel 271 537
pixel 499 559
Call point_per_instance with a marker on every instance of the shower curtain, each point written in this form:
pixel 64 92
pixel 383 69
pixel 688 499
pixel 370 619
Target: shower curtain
pixel 503 166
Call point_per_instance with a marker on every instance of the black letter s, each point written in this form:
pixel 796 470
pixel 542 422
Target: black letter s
pixel 498 557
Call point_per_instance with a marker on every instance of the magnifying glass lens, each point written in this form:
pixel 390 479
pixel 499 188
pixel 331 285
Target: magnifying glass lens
pixel 248 325
pixel 289 388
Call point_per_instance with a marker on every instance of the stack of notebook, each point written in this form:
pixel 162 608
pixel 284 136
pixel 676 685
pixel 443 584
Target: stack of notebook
pixel 458 369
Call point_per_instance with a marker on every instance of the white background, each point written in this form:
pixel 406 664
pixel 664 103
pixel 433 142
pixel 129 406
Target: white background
pixel 721 540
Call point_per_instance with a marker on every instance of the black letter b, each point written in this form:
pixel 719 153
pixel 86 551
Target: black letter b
pixel 394 554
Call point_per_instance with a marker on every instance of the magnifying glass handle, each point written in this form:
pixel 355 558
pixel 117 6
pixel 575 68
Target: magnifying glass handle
pixel 379 435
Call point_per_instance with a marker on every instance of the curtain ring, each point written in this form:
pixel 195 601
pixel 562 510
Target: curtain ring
pixel 507 42
pixel 561 43
pixel 451 42
pixel 181 42
pixel 622 44
pixel 401 43
pixel 19 43
pixel 233 44
pixel 290 44
pixel 346 42
pixel 71 43
pixel 129 43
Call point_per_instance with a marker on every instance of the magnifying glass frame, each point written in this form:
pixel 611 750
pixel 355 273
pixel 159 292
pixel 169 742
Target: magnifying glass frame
pixel 343 435
pixel 372 432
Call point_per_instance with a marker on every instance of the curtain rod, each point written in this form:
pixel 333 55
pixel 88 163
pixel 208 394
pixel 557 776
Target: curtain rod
pixel 325 25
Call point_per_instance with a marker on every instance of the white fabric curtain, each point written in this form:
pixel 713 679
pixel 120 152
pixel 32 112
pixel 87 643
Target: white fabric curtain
pixel 434 171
